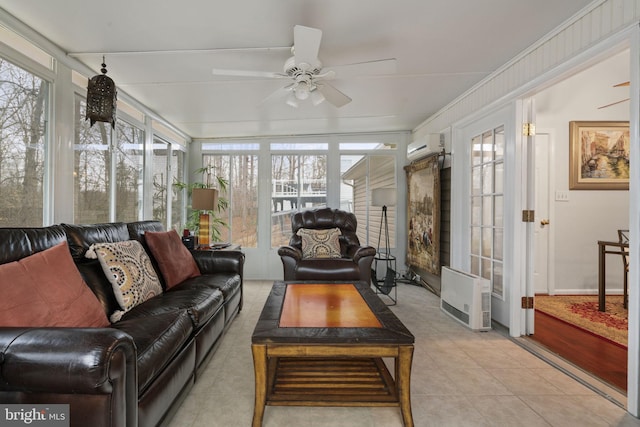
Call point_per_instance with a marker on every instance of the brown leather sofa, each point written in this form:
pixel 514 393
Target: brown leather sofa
pixel 137 371
pixel 354 262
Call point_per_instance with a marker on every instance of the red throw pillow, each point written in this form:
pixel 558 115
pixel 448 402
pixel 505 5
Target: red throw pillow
pixel 46 289
pixel 174 260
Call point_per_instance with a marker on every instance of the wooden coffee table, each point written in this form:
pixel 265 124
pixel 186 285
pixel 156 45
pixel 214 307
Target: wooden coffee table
pixel 322 344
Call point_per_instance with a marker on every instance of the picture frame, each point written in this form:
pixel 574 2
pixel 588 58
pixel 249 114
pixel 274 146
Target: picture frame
pixel 423 215
pixel 599 155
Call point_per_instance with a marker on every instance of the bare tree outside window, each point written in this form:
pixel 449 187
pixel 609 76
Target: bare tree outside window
pixel 23 112
pixel 241 215
pixel 129 158
pixel 92 165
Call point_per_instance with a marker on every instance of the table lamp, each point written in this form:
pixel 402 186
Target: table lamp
pixel 204 200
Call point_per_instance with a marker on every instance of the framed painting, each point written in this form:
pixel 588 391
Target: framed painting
pixel 423 211
pixel 599 155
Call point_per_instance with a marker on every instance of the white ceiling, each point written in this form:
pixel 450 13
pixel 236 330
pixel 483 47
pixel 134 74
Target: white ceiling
pixel 162 53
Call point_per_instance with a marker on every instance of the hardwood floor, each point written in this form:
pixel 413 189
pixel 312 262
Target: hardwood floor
pixel 600 357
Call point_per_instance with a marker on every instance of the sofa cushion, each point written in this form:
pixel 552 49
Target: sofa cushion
pixel 174 260
pixel 46 289
pixel 320 243
pixel 158 339
pixel 199 303
pixel 129 269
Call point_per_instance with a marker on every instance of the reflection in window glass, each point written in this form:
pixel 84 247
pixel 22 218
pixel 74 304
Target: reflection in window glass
pixel 91 170
pixel 298 182
pixel 23 115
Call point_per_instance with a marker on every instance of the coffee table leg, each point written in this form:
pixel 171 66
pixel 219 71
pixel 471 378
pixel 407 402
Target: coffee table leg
pixel 403 382
pixel 260 372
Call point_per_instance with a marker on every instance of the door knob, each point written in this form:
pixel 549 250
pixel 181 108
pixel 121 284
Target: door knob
pixel 544 222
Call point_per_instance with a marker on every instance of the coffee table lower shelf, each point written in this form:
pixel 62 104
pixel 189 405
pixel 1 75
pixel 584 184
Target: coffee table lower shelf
pixel 331 375
pixel 331 382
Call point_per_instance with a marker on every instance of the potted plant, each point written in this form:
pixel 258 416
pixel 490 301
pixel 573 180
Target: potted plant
pixel 221 203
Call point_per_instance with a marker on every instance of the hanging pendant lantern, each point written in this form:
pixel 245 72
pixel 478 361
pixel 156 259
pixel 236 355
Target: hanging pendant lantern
pixel 101 98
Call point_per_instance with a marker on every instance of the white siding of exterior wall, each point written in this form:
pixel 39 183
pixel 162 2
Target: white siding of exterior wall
pixel 592 25
pixel 381 175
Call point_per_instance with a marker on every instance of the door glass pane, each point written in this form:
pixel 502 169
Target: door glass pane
pixel 498 244
pixel 487 147
pixel 91 170
pixel 498 178
pixel 499 143
pixel 498 216
pixel 486 200
pixel 487 178
pixel 476 211
pixel 475 240
pixel 476 151
pixel 476 180
pixel 487 240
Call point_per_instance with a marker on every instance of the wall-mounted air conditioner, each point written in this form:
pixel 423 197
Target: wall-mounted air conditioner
pixel 431 143
pixel 466 298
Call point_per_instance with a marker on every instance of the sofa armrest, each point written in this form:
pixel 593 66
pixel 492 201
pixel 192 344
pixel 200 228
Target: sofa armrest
pixel 219 261
pixel 67 360
pixel 290 251
pixel 359 252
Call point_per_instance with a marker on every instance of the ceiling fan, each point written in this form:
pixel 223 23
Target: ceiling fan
pixel 623 84
pixel 308 74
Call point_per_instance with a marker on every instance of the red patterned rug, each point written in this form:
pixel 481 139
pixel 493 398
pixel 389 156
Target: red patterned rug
pixel 582 311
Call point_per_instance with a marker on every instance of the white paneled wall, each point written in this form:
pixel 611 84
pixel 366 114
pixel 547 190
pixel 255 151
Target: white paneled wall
pixel 592 25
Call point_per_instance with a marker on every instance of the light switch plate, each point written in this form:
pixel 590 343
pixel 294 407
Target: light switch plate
pixel 562 196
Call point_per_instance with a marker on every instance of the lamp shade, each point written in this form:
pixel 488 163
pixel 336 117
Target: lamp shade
pixel 204 199
pixel 383 197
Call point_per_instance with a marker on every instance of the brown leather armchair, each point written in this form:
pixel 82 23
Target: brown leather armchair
pixel 354 262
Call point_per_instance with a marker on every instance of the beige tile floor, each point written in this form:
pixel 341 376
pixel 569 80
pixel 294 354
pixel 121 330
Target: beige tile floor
pixel 459 378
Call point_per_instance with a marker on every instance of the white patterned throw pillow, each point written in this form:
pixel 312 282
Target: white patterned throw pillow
pixel 129 269
pixel 320 243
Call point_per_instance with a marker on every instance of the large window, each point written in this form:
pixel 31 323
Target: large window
pixel 129 163
pixel 297 182
pixel 487 211
pixel 23 118
pixel 92 165
pixel 241 216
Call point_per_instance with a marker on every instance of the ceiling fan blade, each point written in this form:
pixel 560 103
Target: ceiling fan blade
pixel 369 68
pixel 306 44
pixel 622 84
pixel 247 73
pixel 333 95
pixel 614 103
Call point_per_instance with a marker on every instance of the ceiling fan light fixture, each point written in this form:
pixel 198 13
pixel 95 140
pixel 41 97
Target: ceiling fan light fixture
pixel 292 101
pixel 317 97
pixel 302 90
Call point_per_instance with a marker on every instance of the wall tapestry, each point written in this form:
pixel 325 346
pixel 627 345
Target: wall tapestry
pixel 423 210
